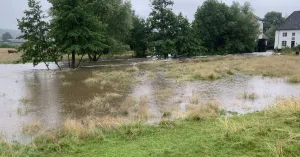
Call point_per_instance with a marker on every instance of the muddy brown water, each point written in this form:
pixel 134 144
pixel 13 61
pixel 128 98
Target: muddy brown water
pixel 52 96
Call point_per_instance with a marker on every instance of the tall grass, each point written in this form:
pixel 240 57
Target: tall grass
pixel 6 58
pixel 203 111
pixel 294 79
pixel 214 68
pixel 143 112
pixel 32 128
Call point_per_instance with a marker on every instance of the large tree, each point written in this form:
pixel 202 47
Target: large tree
pixel 186 43
pixel 272 20
pixel 226 29
pixel 139 36
pixel 76 29
pixel 162 22
pixel 39 47
pixel 117 17
pixel 6 36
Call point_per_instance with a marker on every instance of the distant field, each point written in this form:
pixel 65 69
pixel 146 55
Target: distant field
pixel 6 58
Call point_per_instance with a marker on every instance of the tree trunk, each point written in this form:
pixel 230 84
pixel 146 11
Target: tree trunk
pixel 80 61
pixel 73 60
pixel 69 60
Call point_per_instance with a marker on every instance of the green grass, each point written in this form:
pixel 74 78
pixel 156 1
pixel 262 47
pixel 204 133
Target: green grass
pixel 274 132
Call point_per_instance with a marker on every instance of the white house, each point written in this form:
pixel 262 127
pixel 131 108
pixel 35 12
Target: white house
pixel 288 33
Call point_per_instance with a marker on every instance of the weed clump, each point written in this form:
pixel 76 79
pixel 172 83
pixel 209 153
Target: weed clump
pixel 203 111
pixel 249 96
pixel 33 128
pixel 294 79
pixel 143 112
pixel 194 99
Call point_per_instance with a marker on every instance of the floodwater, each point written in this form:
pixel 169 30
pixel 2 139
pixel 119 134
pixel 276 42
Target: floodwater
pixel 52 94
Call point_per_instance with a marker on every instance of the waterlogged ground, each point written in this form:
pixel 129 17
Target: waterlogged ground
pixel 34 95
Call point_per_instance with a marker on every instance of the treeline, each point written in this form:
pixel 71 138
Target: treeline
pixel 97 27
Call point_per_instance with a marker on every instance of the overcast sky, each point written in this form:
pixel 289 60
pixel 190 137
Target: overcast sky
pixel 10 10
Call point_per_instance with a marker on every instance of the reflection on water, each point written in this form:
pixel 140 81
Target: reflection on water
pixel 52 95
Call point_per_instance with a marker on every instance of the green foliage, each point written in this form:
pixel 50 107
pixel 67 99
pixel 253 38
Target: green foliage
pixel 139 37
pixel 6 36
pixel 226 29
pixel 171 33
pixel 76 28
pixel 272 20
pixel 117 17
pixel 270 33
pixel 39 46
pixel 185 40
pixel 162 23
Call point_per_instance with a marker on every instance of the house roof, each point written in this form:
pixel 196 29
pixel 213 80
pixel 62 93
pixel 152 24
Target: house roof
pixel 258 18
pixel 292 22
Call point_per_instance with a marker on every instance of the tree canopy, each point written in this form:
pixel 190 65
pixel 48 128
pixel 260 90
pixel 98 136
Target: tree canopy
pixel 75 28
pixel 39 46
pixel 226 29
pixel 116 16
pixel 162 23
pixel 139 36
pixel 97 27
pixel 6 36
pixel 272 20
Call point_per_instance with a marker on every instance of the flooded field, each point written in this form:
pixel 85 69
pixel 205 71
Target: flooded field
pixel 122 89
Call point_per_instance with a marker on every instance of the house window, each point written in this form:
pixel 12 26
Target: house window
pixel 283 43
pixel 284 34
pixel 293 34
pixel 293 38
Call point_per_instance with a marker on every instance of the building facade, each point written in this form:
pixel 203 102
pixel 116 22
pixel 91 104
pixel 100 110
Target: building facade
pixel 288 33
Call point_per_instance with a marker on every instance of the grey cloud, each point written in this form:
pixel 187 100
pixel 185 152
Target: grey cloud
pixel 10 10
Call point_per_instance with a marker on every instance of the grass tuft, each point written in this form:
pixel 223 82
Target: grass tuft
pixel 203 111
pixel 143 113
pixel 33 128
pixel 249 96
pixel 294 79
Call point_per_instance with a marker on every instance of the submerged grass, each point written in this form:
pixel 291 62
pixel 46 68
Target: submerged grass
pixel 294 79
pixel 32 128
pixel 115 86
pixel 274 132
pixel 249 96
pixel 213 68
pixel 203 111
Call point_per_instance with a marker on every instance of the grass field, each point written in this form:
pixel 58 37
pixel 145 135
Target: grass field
pixel 274 132
pixel 213 68
pixel 6 58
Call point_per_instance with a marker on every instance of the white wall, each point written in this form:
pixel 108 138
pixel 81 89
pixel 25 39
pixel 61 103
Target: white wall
pixel 279 38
